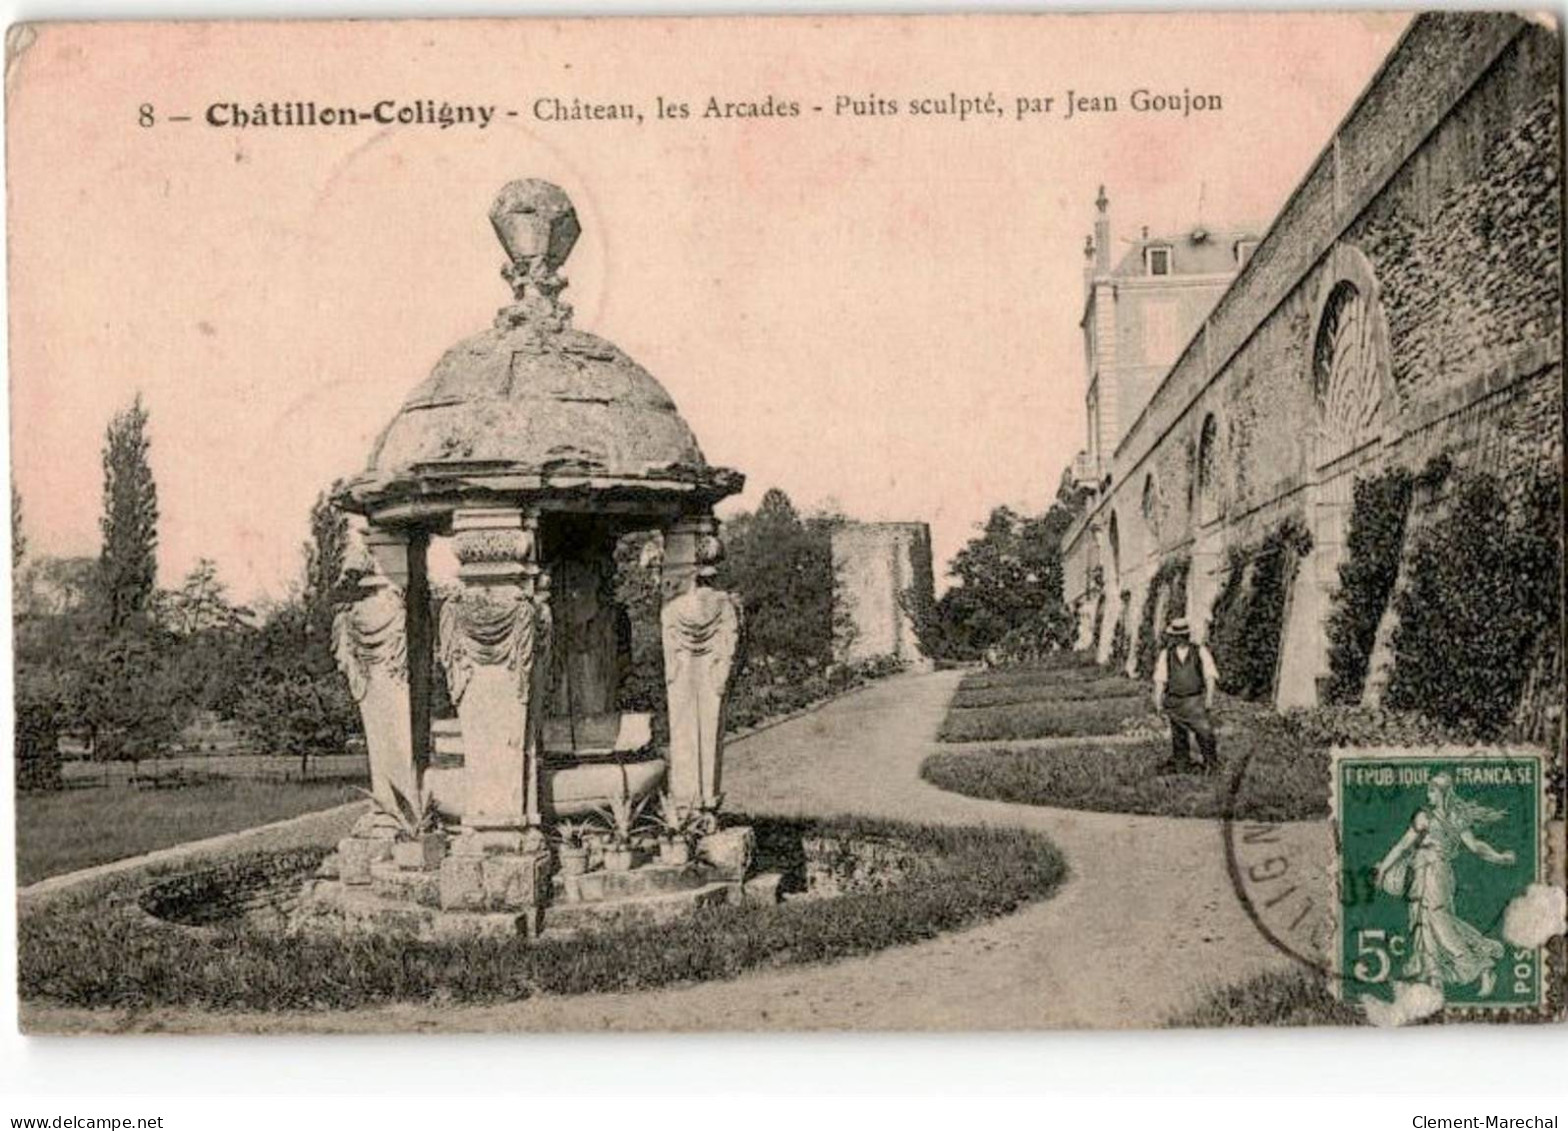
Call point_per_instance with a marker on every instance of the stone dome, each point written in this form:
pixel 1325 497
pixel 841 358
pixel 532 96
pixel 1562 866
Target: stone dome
pixel 533 405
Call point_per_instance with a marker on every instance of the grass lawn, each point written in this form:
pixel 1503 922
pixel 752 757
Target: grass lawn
pixel 1286 777
pixel 1044 718
pixel 1069 666
pixel 1054 691
pixel 1069 696
pixel 94 947
pixel 1290 997
pixel 77 828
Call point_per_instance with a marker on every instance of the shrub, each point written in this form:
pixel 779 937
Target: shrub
pixel 1338 725
pixel 1366 579
pixel 1171 578
pixel 1249 613
pixel 760 694
pixel 1482 598
pixel 1119 643
pixel 95 948
pixel 38 745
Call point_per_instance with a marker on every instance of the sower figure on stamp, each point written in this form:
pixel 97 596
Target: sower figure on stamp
pixel 1185 680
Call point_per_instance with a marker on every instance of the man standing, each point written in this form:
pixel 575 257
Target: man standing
pixel 1184 683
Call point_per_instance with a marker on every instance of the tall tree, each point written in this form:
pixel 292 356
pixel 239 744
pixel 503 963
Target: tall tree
pixel 293 698
pixel 128 564
pixel 324 563
pixel 782 568
pixel 1009 585
pixel 201 603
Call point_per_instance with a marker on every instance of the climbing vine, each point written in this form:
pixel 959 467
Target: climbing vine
pixel 1366 579
pixel 1249 613
pixel 1171 578
pixel 1481 607
pixel 1119 643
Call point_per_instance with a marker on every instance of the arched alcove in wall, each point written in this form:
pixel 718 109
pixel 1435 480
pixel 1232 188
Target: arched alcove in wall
pixel 1113 587
pixel 1208 534
pixel 1150 509
pixel 1353 407
pixel 1205 473
pixel 1114 581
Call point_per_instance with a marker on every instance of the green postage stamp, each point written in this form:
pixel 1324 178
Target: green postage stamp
pixel 1442 859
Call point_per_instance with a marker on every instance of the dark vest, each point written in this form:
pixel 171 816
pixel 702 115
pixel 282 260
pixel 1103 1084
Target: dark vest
pixel 1183 677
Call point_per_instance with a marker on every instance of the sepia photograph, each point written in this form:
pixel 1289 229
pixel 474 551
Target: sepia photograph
pixel 857 524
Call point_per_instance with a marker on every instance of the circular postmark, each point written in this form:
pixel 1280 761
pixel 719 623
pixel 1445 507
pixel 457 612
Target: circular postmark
pixel 1282 874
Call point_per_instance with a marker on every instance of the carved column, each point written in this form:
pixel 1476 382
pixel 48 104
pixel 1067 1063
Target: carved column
pixel 493 641
pixel 370 644
pixel 493 637
pixel 701 633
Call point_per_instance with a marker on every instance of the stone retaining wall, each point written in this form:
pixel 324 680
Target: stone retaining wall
pixel 1430 226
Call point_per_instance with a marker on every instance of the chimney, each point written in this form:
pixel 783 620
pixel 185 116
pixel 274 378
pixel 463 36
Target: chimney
pixel 1102 232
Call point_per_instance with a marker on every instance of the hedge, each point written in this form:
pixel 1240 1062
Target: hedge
pixel 1119 643
pixel 1249 613
pixel 1172 578
pixel 1366 579
pixel 1480 605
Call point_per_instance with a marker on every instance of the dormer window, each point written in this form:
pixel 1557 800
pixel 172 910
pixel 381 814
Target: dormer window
pixel 1244 250
pixel 1157 257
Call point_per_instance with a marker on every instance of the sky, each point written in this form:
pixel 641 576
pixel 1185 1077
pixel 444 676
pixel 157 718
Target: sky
pixel 874 312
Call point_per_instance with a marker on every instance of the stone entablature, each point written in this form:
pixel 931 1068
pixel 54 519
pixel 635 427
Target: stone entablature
pixel 1436 236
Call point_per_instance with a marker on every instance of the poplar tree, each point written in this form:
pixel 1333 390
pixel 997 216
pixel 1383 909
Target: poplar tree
pixel 128 564
pixel 324 563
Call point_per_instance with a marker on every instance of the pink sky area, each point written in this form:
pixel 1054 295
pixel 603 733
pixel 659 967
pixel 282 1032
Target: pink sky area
pixel 881 312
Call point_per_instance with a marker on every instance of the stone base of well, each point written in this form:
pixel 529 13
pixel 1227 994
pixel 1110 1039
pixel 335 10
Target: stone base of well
pixel 493 888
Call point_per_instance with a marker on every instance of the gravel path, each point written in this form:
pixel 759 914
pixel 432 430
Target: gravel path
pixel 1145 924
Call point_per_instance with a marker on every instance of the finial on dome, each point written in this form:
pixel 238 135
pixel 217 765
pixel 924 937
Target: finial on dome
pixel 537 227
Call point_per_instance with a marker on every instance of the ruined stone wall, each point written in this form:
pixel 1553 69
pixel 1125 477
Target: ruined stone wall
pixel 1438 204
pixel 874 565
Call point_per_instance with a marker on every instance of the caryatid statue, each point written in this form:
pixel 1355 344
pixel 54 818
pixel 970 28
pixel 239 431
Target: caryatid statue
pixel 370 644
pixel 493 642
pixel 701 630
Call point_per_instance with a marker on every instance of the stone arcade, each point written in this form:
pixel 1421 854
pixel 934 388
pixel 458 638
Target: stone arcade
pixel 1405 304
pixel 534 447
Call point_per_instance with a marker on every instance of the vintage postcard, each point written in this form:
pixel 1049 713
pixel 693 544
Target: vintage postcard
pixel 860 523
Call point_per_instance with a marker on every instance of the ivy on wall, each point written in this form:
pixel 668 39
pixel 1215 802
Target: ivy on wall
pixel 1480 605
pixel 1249 613
pixel 1119 642
pixel 1366 579
pixel 1171 578
pixel 1099 622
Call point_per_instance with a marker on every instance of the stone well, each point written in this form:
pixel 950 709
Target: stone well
pixel 534 447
